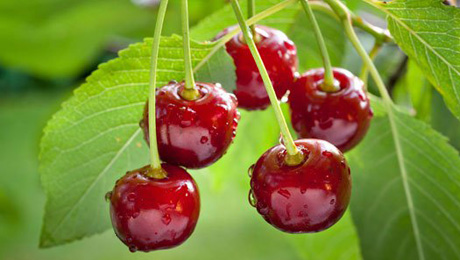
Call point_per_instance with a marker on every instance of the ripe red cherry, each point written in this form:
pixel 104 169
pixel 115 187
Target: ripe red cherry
pixel 341 118
pixel 279 55
pixel 309 197
pixel 193 133
pixel 150 214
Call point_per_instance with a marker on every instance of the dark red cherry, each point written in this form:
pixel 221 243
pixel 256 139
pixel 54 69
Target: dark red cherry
pixel 193 133
pixel 341 118
pixel 279 55
pixel 150 214
pixel 309 197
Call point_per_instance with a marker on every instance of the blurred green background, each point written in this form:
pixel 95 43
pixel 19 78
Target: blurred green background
pixel 47 48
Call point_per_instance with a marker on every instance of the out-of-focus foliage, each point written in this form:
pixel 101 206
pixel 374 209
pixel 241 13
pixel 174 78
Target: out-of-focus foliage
pixel 56 38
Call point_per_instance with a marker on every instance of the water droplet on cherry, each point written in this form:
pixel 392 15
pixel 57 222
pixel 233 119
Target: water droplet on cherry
pixel 252 199
pixel 327 154
pixel 284 193
pixel 250 170
pixel 108 196
pixel 204 139
pixel 166 219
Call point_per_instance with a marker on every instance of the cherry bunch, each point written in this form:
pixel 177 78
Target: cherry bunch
pixel 297 186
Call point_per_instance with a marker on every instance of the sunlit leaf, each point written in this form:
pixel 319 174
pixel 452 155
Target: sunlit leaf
pixel 428 31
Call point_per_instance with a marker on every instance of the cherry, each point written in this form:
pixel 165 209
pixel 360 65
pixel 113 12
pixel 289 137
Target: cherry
pixel 308 197
pixel 279 55
pixel 150 214
pixel 193 133
pixel 341 118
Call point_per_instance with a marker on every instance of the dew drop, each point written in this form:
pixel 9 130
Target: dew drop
pixel 131 197
pixel 132 248
pixel 251 170
pixel 108 196
pixel 343 164
pixel 252 199
pixel 129 239
pixel 332 201
pixel 284 193
pixel 361 96
pixel 303 190
pixel 166 219
pixel 204 139
pixel 327 154
pixel 136 214
pixel 349 171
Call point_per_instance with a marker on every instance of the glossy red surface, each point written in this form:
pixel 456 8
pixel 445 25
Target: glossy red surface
pixel 194 134
pixel 279 55
pixel 341 118
pixel 150 214
pixel 306 198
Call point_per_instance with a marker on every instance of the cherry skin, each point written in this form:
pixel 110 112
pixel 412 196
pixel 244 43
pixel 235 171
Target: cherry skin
pixel 150 214
pixel 193 133
pixel 279 55
pixel 309 197
pixel 341 118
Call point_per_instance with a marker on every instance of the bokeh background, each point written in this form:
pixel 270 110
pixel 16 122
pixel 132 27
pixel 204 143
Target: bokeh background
pixel 48 47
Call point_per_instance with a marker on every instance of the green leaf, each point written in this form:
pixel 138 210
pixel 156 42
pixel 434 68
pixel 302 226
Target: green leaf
pixel 428 32
pixel 291 20
pixel 95 138
pixel 406 191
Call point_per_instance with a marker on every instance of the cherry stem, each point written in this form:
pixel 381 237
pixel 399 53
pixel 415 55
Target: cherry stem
pixel 365 71
pixel 291 148
pixel 190 92
pixel 343 12
pixel 328 84
pixel 379 34
pixel 251 13
pixel 155 163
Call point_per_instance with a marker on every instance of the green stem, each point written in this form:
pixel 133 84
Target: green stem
pixel 251 13
pixel 190 92
pixel 391 118
pixel 256 18
pixel 342 11
pixel 155 163
pixel 378 33
pixel 365 71
pixel 294 155
pixel 328 84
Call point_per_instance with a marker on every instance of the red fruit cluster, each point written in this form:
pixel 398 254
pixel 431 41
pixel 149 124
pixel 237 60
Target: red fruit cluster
pixel 150 213
pixel 314 194
pixel 157 213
